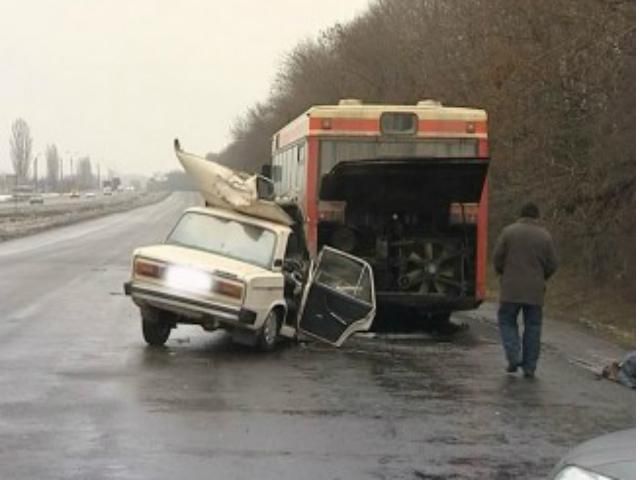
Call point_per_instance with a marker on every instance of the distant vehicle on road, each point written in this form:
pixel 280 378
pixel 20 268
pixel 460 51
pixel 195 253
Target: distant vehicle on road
pixel 247 273
pixel 107 191
pixel 90 195
pixel 609 457
pixel 22 193
pixel 36 199
pixel 74 194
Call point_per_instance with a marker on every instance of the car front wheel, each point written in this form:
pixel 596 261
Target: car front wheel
pixel 269 333
pixel 155 329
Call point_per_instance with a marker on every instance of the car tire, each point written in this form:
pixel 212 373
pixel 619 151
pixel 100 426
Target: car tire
pixel 268 336
pixel 155 329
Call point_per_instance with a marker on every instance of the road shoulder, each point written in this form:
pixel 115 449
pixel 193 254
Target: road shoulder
pixel 34 221
pixel 573 341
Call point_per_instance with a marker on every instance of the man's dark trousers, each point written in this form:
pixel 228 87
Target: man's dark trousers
pixel 508 322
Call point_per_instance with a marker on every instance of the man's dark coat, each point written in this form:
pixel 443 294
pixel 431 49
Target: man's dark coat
pixel 525 259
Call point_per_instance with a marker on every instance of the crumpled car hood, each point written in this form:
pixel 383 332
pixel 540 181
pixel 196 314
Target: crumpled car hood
pixel 226 188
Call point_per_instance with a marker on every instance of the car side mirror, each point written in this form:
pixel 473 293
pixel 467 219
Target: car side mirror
pixel 265 189
pixel 277 263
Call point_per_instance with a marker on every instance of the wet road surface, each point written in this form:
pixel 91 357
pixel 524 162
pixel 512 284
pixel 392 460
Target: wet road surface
pixel 82 397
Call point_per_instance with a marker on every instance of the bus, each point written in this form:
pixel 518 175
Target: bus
pixel 402 186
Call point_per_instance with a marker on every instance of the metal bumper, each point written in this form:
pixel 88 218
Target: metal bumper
pixel 427 301
pixel 165 299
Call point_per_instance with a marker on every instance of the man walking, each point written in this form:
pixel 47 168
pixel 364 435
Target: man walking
pixel 525 259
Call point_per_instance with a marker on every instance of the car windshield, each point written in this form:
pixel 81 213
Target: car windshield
pixel 223 236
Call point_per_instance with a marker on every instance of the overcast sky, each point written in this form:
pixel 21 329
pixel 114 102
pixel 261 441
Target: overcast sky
pixel 119 79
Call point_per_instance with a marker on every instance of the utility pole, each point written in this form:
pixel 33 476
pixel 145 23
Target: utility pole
pixel 99 176
pixel 35 172
pixel 15 194
pixel 71 176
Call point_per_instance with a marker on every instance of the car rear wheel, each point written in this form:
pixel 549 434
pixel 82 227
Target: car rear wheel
pixel 155 328
pixel 268 335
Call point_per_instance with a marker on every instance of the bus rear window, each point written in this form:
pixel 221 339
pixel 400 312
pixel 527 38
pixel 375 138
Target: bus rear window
pixel 399 123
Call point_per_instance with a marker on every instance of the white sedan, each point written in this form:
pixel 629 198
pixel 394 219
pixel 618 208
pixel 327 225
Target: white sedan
pixel 224 269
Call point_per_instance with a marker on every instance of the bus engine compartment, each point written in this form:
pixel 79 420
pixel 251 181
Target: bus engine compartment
pixel 415 222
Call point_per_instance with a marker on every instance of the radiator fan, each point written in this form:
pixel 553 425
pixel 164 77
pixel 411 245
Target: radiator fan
pixel 435 266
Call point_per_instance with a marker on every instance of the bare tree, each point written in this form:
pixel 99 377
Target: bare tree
pixel 21 143
pixel 85 173
pixel 53 166
pixel 555 81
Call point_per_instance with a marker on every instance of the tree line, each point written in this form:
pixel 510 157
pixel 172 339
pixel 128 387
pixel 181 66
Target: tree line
pixel 558 82
pixel 81 176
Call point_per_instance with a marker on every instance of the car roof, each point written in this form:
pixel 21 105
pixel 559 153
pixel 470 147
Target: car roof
pixel 233 215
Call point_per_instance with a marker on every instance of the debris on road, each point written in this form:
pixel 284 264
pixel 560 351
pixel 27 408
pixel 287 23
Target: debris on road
pixel 623 372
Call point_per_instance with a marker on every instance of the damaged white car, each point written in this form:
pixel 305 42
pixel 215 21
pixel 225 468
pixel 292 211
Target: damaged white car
pixel 240 264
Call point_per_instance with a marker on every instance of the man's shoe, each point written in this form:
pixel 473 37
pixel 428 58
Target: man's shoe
pixel 529 374
pixel 512 368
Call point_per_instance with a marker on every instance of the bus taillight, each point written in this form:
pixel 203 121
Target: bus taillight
pixel 331 211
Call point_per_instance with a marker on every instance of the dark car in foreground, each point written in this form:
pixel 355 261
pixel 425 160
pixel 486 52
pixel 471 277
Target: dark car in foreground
pixel 609 457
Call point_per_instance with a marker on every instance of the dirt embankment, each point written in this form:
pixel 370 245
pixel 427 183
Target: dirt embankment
pixel 23 219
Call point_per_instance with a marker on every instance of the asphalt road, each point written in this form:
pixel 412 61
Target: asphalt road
pixel 82 397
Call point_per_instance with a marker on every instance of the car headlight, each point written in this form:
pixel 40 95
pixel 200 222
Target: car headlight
pixel 576 473
pixel 187 279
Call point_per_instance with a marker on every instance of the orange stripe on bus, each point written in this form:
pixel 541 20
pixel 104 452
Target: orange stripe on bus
pixel 355 124
pixel 457 126
pixel 293 132
pixel 311 220
pixel 373 125
pixel 482 227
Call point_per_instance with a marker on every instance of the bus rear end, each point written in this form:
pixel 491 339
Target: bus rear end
pixel 403 187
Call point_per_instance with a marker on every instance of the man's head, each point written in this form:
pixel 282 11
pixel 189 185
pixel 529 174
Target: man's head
pixel 530 210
